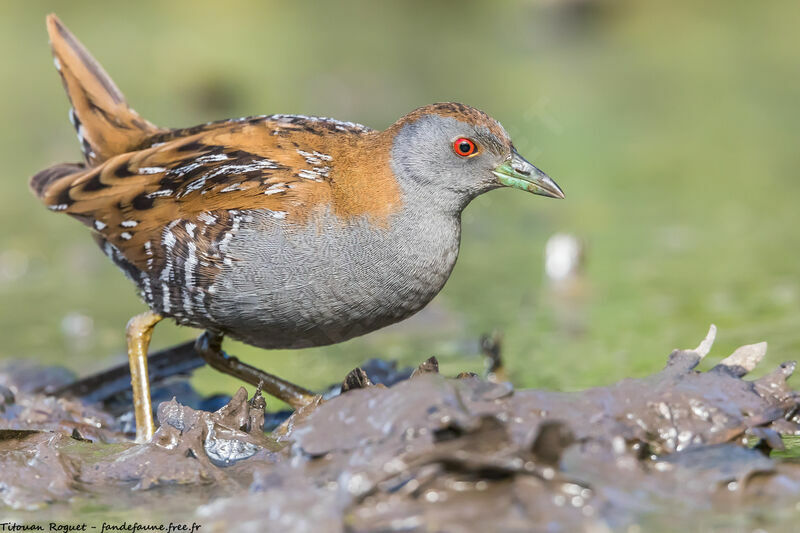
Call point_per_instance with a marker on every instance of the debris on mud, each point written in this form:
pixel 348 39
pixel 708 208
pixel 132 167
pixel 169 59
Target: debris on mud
pixel 428 453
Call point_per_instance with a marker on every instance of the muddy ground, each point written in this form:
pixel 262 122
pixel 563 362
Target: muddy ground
pixel 679 449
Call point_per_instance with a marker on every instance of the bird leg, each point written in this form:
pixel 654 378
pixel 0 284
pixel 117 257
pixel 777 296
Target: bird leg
pixel 139 331
pixel 209 346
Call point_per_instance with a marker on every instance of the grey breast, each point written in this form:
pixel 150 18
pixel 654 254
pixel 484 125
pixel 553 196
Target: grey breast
pixel 328 282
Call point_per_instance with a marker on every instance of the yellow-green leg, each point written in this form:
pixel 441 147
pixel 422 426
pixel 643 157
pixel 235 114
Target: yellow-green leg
pixel 139 331
pixel 209 346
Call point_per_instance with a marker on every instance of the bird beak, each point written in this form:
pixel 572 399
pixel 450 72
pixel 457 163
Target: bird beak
pixel 517 172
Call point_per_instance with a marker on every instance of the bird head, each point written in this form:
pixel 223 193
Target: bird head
pixel 453 153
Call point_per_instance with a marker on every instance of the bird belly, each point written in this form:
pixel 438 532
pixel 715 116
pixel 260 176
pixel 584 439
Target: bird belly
pixel 329 281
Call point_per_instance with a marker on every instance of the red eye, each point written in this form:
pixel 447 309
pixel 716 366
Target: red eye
pixel 464 147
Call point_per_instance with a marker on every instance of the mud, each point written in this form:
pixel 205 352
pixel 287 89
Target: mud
pixel 677 449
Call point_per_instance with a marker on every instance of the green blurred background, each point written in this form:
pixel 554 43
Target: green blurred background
pixel 672 127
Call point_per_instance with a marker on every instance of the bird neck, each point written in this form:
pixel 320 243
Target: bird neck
pixel 425 187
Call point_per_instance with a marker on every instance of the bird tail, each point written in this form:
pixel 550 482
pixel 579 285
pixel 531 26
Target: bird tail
pixel 105 124
pixel 41 182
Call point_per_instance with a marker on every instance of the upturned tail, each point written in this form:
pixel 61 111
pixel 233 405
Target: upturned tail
pixel 106 126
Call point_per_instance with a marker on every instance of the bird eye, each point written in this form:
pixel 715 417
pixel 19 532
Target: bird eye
pixel 464 147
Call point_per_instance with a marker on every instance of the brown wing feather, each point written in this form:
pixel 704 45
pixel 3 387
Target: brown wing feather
pixel 289 165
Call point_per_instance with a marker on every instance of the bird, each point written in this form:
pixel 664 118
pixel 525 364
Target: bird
pixel 281 231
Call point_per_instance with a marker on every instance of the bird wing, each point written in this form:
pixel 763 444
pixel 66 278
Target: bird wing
pixel 282 164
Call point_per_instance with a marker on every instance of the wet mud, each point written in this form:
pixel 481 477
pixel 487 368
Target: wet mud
pixel 677 449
